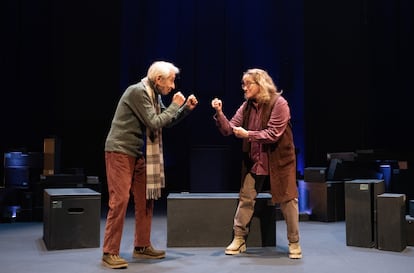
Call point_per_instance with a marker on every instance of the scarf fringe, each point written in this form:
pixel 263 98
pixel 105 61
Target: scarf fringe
pixel 154 194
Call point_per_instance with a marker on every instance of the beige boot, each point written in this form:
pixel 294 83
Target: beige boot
pixel 295 252
pixel 238 245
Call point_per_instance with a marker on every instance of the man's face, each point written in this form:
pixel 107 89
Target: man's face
pixel 165 85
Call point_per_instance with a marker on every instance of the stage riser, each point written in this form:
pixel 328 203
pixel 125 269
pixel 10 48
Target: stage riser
pixel 206 220
pixel 391 222
pixel 71 218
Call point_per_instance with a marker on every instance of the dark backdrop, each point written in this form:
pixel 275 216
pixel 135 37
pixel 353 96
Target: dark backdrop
pixel 344 66
pixel 358 76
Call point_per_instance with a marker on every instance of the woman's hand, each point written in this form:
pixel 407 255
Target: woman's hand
pixel 217 104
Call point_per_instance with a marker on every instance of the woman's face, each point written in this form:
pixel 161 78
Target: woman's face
pixel 250 87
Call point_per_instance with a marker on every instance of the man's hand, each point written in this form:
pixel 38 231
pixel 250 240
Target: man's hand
pixel 178 98
pixel 192 102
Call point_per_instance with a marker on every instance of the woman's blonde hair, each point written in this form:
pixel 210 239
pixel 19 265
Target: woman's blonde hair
pixel 266 85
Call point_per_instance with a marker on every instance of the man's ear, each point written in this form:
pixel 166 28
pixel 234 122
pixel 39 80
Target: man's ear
pixel 158 79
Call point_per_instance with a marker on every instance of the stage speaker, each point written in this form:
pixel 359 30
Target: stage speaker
pixel 315 174
pixel 21 170
pixel 411 205
pixel 326 201
pixel 391 222
pixel 206 220
pixel 360 211
pixel 409 230
pixel 71 218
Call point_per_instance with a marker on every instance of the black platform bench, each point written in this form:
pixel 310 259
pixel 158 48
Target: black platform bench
pixel 206 220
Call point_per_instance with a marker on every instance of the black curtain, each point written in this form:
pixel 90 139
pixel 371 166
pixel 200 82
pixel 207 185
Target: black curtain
pixel 357 74
pixel 344 66
pixel 214 42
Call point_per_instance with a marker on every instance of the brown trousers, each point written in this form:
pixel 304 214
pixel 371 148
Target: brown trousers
pixel 126 174
pixel 245 210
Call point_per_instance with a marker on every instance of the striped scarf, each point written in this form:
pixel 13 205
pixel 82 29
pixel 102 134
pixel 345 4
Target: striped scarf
pixel 154 153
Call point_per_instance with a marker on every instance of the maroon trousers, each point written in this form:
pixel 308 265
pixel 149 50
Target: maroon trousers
pixel 126 174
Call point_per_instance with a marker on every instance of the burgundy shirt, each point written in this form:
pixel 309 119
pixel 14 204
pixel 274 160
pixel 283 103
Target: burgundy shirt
pixel 279 119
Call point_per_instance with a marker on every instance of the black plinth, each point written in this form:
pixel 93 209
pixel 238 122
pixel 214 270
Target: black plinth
pixel 71 218
pixel 206 220
pixel 361 211
pixel 391 222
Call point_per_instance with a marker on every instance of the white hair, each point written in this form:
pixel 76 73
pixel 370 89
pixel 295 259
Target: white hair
pixel 161 68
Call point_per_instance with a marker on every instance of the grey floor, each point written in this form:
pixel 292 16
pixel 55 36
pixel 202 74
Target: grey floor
pixel 22 249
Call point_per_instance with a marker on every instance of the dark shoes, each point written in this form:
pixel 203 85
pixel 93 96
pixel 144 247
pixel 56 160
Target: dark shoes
pixel 114 261
pixel 148 253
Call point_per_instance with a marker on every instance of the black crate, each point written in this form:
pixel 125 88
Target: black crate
pixel 391 222
pixel 360 211
pixel 206 220
pixel 71 218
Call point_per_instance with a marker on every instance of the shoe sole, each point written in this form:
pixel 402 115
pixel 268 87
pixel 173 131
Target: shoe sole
pixel 295 256
pixel 116 266
pixel 143 256
pixel 241 249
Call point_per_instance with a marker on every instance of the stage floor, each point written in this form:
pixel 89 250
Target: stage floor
pixel 323 244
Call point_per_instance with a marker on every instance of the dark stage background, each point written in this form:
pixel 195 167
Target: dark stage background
pixel 344 66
